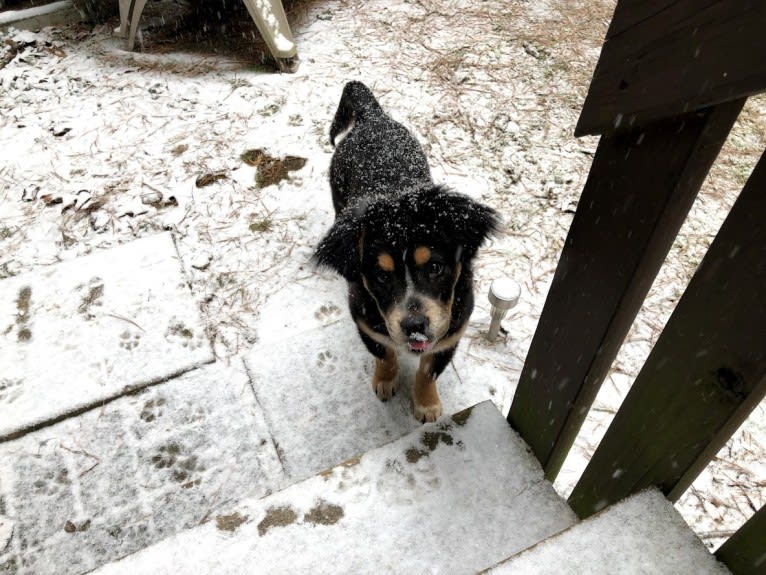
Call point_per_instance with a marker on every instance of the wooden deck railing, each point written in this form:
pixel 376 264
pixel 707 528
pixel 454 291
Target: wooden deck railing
pixel 671 80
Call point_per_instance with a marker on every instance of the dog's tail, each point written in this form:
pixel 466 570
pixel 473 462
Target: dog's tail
pixel 356 103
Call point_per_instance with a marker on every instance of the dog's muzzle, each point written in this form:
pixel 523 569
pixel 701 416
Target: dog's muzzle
pixel 415 327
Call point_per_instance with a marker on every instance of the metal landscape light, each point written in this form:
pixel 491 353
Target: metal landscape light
pixel 503 295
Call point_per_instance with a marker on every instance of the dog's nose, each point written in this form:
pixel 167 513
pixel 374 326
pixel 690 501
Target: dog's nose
pixel 414 324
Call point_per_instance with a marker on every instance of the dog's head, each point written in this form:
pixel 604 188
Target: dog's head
pixel 410 252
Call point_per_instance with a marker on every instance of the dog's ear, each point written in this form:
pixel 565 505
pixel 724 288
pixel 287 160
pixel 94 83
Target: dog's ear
pixel 466 221
pixel 339 249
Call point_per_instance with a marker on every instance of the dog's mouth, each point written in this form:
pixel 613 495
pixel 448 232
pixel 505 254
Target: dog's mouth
pixel 419 343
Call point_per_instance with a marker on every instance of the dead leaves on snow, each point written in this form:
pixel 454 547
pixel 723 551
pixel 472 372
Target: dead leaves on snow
pixel 271 170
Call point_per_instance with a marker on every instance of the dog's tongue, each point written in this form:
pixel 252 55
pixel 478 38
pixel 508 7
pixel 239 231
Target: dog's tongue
pixel 417 345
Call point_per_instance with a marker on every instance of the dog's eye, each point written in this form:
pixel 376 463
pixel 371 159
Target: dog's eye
pixel 381 276
pixel 435 269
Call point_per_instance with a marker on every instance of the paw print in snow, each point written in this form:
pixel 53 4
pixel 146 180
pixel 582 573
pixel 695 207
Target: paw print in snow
pixel 129 340
pixel 197 414
pixel 328 313
pixel 52 482
pixel 10 390
pixel 166 456
pixel 183 468
pixel 152 409
pixel 326 361
pixel 184 472
pixel 181 334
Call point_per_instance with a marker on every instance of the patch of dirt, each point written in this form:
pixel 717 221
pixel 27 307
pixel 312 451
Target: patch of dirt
pixel 276 517
pixel 324 513
pixel 230 522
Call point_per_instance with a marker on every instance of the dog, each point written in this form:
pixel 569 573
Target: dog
pixel 404 244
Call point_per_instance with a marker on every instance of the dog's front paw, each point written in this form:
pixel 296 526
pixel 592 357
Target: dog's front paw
pixel 427 413
pixel 385 382
pixel 425 397
pixel 385 389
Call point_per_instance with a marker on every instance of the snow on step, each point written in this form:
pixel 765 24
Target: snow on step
pixel 452 497
pixel 642 535
pixel 98 486
pixel 79 332
pixel 315 389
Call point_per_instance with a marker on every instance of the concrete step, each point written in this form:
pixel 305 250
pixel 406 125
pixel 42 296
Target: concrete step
pixel 451 497
pixel 101 485
pixel 642 535
pixel 81 332
pixel 314 385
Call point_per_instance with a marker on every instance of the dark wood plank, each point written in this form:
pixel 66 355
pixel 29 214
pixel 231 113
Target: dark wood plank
pixel 704 375
pixel 637 195
pixel 662 58
pixel 745 551
pixel 630 13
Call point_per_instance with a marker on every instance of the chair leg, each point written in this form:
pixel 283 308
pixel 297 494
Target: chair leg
pixel 122 31
pixel 138 7
pixel 269 17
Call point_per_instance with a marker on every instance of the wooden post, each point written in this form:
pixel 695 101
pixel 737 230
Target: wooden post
pixel 745 551
pixel 704 376
pixel 637 195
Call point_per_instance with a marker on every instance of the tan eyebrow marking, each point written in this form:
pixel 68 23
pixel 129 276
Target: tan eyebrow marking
pixel 386 262
pixel 422 255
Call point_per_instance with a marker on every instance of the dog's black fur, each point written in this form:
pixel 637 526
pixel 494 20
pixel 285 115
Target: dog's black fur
pixel 404 244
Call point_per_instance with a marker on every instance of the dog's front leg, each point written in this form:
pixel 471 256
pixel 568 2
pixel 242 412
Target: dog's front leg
pixel 428 406
pixel 385 381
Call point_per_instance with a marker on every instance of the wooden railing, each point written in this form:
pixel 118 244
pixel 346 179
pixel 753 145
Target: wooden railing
pixel 671 80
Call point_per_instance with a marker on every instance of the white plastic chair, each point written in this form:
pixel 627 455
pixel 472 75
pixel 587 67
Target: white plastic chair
pixel 268 15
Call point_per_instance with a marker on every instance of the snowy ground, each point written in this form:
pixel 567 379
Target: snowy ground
pixel 102 147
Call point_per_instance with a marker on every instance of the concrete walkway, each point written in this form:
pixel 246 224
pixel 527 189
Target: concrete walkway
pixel 117 434
pixel 82 332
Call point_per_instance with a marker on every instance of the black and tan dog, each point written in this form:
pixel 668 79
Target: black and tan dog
pixel 404 244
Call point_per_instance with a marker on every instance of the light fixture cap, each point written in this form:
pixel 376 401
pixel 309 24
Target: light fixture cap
pixel 504 293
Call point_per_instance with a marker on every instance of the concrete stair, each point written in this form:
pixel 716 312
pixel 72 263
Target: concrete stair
pixel 452 497
pixel 82 332
pixel 643 534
